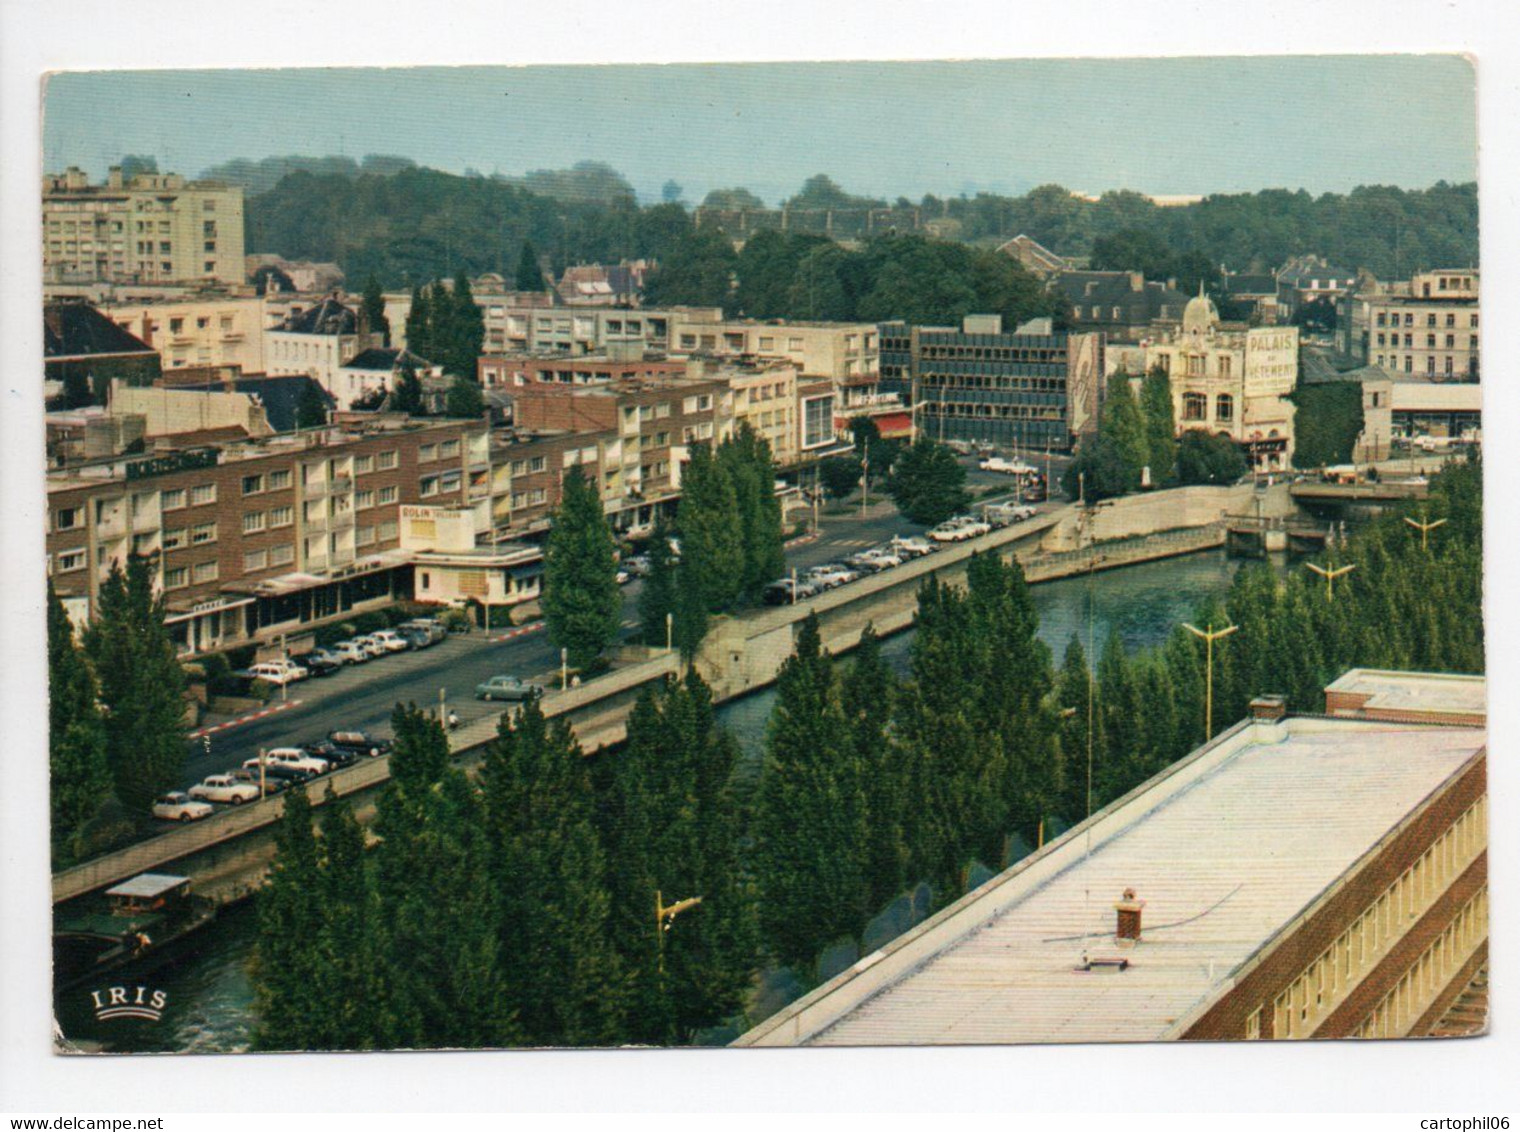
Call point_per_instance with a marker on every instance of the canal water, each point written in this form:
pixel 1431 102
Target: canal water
pixel 207 988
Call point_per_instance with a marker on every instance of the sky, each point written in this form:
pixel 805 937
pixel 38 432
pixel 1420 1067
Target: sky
pixel 1198 125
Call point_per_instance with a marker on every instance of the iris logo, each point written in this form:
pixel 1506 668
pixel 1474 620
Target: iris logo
pixel 128 1002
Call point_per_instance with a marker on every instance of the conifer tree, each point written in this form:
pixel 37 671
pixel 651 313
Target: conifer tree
pixel 407 397
pixel 311 407
pixel 582 603
pixel 345 979
pixel 1075 697
pixel 658 598
pixel 867 693
pixel 80 780
pixel 419 324
pixel 372 313
pixel 1123 429
pixel 712 540
pixel 466 330
pixel 560 970
pixel 530 276
pixel 142 687
pixel 288 1001
pixel 464 399
pixel 1160 428
pixel 927 482
pixel 746 456
pixel 812 887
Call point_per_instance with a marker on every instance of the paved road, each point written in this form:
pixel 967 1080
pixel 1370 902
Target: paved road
pixel 364 696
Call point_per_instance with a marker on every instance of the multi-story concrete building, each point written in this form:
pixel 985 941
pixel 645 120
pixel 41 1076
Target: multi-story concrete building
pixel 254 539
pixel 839 351
pixel 1308 278
pixel 620 362
pixel 1341 892
pixel 1035 387
pixel 1233 383
pixel 207 330
pixel 153 227
pixel 765 398
pixel 1427 326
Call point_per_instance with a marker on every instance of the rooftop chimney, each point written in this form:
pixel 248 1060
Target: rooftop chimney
pixel 1129 916
pixel 1269 709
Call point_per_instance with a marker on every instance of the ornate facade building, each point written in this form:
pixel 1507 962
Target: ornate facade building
pixel 1233 383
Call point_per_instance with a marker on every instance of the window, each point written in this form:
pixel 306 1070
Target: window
pixel 1195 365
pixel 282 555
pixel 386 494
pixel 817 421
pixel 252 485
pixel 448 449
pixel 174 539
pixel 202 533
pixel 67 518
pixel 1194 406
pixel 364 536
pixel 203 494
pixel 177 578
pixel 386 531
pixel 281 517
pixel 70 560
pixel 387 459
pixel 279 480
pixel 429 486
pixel 204 572
pixel 1224 408
pixel 427 452
pixel 253 522
pixel 255 560
pixel 363 464
pixel 1253 1025
pixel 363 499
pixel 538 464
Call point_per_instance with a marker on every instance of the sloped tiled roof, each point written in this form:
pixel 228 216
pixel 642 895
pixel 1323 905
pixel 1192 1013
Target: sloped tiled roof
pixel 327 317
pixel 78 330
pixel 385 360
pixel 1109 289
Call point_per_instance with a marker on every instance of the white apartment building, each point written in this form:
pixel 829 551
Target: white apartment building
pixel 208 331
pixel 1427 326
pixel 157 227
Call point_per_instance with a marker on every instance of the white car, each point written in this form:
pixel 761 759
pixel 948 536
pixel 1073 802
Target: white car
pixel 279 672
pixel 225 788
pixel 886 555
pixel 372 648
pixel 1008 467
pixel 179 806
pixel 831 575
pixel 291 757
pixel 913 547
pixel 350 652
pixel 390 639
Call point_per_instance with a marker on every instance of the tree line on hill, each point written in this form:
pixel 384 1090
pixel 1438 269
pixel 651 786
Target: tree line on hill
pixel 406 224
pixel 525 908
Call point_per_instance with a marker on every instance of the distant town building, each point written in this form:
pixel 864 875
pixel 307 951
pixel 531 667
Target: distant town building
pixel 376 371
pixel 1426 326
pixel 1413 407
pixel 602 285
pixel 83 351
pixel 1257 292
pixel 1341 892
pixel 1307 278
pixel 303 275
pixel 1122 305
pixel 317 340
pixel 839 351
pixel 508 371
pixel 1034 387
pixel 204 330
pixel 151 227
pixel 1034 257
pixel 1232 383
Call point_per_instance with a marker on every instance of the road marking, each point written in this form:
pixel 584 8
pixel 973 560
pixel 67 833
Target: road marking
pixel 800 540
pixel 242 719
pixel 522 630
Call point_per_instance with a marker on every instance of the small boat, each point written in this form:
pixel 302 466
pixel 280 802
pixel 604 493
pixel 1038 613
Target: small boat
pixel 138 918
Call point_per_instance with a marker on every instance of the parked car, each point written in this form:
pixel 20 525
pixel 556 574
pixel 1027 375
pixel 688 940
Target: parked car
pixel 784 591
pixel 279 672
pixel 414 637
pixel 360 743
pixel 1001 515
pixel 392 640
pixel 1007 467
pixel 624 577
pixel 179 806
pixel 913 547
pixel 224 788
pixel 336 758
pixel 293 757
pixel 276 771
pixel 831 574
pixel 371 644
pixel 507 688
pixel 321 662
pixel 887 553
pixel 638 565
pixel 273 783
pixel 351 652
pixel 428 627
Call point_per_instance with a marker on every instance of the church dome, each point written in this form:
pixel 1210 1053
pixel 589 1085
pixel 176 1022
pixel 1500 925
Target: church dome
pixel 1199 316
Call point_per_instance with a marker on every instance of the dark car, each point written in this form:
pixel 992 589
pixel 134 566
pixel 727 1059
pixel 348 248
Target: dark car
pixel 360 743
pixel 784 591
pixel 320 662
pixel 337 757
pixel 273 783
pixel 277 770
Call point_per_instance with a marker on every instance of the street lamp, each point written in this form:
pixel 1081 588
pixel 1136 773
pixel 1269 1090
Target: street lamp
pixel 1330 576
pixel 564 669
pixel 1423 527
pixel 664 916
pixel 1209 636
pixel 670 628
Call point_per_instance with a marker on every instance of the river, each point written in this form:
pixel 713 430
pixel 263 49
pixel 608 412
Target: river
pixel 208 991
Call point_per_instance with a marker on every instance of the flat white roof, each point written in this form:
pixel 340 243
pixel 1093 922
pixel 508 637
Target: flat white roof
pixel 147 885
pixel 1438 693
pixel 1226 848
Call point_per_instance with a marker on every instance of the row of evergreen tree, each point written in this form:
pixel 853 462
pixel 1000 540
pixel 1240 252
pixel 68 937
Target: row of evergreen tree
pixel 521 908
pixel 116 712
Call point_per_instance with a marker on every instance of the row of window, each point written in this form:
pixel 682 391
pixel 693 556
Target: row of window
pixel 443 450
pixel 1448 366
pixel 1391 318
pixel 1195 407
pixel 1430 341
pixel 962 409
pixel 1403 1005
pixel 198 535
pixel 534 498
pixel 1326 981
pixel 282 555
pixel 978 381
pixel 178 577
